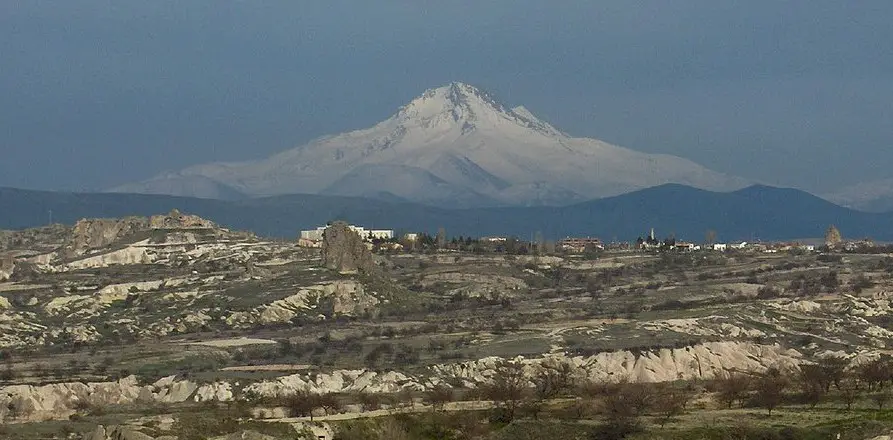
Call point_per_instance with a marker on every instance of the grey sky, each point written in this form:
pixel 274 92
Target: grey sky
pixel 97 93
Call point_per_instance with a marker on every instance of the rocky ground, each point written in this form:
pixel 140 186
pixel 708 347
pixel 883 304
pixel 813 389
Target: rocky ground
pixel 112 321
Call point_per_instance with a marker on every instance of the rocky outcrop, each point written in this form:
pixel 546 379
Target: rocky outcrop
pixel 7 266
pixel 245 435
pixel 703 326
pixel 125 256
pixel 89 234
pixel 833 237
pixel 341 381
pixel 215 392
pixel 314 430
pixel 34 240
pixel 702 361
pixel 116 433
pixel 302 431
pixel 176 220
pixel 343 250
pixel 58 401
pixel 474 285
pixel 337 298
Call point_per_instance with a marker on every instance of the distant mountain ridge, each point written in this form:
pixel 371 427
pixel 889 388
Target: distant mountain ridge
pixel 756 212
pixel 873 196
pixel 453 146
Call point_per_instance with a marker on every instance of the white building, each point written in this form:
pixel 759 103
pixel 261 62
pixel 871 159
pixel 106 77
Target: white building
pixel 366 234
pixel 719 246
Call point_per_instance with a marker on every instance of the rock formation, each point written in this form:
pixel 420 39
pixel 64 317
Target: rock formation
pixel 832 237
pixel 90 234
pixel 698 362
pixel 116 433
pixel 42 239
pixel 703 361
pixel 245 435
pixel 338 298
pixel 343 250
pixel 176 220
pixel 59 400
pixel 7 266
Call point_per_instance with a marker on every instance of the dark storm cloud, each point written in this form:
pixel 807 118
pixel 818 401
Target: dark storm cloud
pixel 96 93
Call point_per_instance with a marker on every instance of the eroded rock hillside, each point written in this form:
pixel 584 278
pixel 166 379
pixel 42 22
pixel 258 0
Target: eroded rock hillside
pixel 173 312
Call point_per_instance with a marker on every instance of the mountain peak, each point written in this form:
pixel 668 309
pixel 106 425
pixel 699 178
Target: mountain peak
pixel 448 143
pixel 469 107
pixel 455 101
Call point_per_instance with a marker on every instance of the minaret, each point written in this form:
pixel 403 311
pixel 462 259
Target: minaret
pixel 651 235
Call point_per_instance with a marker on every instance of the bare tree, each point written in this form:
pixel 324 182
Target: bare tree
pixel 392 430
pixel 621 409
pixel 812 384
pixel 710 237
pixel 441 238
pixel 880 399
pixel 732 387
pixel 439 396
pixel 874 374
pixel 849 392
pixel 531 408
pixel 301 404
pixel 670 402
pixel 639 395
pixel 406 398
pixel 591 389
pixel 552 378
pixel 369 401
pixel 833 370
pixel 507 389
pixel 329 403
pixel 770 389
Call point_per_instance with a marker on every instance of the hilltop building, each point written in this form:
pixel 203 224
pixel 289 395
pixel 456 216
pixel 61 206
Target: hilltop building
pixel 577 245
pixel 313 237
pixel 686 246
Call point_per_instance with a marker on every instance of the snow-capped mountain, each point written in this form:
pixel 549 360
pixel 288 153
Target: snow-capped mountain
pixel 454 146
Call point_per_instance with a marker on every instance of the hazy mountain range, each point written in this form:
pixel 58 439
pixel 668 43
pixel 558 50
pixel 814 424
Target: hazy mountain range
pixel 873 196
pixel 753 213
pixel 453 146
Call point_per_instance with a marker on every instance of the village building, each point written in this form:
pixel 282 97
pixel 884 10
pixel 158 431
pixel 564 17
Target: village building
pixel 579 245
pixel 313 237
pixel 686 247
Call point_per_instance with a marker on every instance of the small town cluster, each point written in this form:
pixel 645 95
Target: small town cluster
pixel 387 240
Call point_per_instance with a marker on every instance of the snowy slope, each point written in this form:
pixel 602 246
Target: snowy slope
pixel 455 145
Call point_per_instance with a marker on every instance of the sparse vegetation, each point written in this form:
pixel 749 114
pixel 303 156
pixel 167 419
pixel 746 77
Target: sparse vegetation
pixel 450 341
